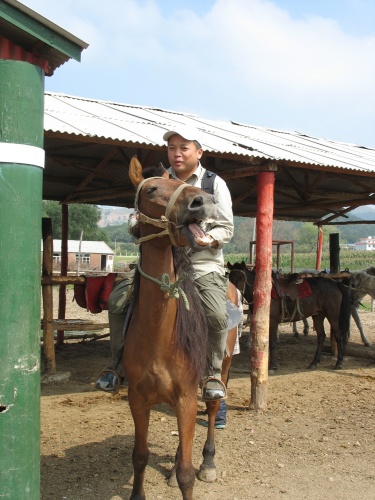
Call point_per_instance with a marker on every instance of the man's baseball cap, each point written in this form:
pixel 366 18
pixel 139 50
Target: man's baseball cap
pixel 188 133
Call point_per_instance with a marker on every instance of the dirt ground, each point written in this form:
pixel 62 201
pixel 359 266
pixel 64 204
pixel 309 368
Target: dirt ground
pixel 316 440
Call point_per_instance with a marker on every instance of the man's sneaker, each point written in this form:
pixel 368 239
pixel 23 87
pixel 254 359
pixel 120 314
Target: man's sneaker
pixel 213 389
pixel 109 381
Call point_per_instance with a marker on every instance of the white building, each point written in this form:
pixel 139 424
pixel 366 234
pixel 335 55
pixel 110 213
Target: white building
pixel 365 244
pixel 90 255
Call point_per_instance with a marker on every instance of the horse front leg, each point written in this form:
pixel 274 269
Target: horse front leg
pixel 183 472
pixel 295 330
pixel 141 418
pixel 355 315
pixel 207 470
pixel 318 321
pixel 338 336
pixel 306 327
pixel 272 364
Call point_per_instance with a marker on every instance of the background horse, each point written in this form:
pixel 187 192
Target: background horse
pixel 328 299
pixel 165 351
pixel 361 283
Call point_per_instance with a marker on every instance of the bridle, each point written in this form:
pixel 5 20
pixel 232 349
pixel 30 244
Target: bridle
pixel 172 290
pixel 167 225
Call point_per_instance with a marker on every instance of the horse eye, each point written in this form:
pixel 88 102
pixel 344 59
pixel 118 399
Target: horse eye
pixel 150 190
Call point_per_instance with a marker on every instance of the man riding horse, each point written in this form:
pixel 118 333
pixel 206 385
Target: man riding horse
pixel 184 154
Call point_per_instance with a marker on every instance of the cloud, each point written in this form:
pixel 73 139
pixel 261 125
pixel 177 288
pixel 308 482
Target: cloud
pixel 249 60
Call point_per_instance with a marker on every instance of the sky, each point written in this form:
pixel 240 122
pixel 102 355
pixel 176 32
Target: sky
pixel 294 65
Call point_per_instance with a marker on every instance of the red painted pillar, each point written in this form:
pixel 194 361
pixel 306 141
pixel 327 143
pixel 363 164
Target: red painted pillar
pixel 262 290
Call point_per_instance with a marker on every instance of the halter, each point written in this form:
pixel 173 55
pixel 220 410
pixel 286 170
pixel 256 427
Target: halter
pixel 164 221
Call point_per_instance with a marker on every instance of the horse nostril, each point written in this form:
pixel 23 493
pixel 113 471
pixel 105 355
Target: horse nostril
pixel 196 203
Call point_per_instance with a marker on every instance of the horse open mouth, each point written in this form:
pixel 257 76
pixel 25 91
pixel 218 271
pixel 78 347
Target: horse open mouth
pixel 200 237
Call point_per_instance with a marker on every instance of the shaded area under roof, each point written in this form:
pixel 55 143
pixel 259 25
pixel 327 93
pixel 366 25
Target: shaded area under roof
pixel 89 144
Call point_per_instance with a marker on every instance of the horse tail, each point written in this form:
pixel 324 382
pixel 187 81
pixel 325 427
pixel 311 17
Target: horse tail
pixel 344 318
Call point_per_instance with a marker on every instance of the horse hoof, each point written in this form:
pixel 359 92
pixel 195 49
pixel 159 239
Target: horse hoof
pixel 338 367
pixel 172 481
pixel 313 366
pixel 367 344
pixel 208 475
pixel 271 371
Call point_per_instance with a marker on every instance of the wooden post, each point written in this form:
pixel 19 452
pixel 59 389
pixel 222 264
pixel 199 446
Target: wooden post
pixel 278 256
pixel 292 256
pixel 262 290
pixel 334 253
pixel 47 294
pixel 334 267
pixel 64 269
pixel 319 249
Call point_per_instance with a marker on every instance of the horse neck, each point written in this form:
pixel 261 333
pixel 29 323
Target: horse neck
pixel 157 260
pixel 153 304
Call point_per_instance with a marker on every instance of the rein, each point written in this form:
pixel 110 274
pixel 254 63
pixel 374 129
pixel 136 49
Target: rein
pixel 171 289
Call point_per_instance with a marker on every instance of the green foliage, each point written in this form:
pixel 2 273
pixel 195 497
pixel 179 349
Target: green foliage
pixel 349 259
pixel 118 233
pixel 81 218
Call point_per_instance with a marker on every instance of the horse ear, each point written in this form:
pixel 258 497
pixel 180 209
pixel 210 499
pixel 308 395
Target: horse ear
pixel 135 171
pixel 229 266
pixel 165 173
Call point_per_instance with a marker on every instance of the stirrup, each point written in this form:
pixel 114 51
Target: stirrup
pixel 219 381
pixel 114 389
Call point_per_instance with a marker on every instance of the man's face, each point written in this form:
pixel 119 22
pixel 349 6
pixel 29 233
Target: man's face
pixel 183 156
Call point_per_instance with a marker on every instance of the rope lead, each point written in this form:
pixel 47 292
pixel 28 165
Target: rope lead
pixel 171 289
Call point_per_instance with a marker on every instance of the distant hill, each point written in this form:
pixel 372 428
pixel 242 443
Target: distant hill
pixel 113 216
pixel 365 213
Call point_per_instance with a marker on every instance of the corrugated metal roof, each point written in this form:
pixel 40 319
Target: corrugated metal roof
pixel 99 247
pixel 89 144
pixel 145 126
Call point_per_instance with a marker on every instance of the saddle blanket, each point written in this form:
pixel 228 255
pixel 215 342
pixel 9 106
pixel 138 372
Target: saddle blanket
pixel 304 290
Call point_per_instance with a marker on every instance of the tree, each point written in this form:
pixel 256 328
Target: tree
pixel 81 218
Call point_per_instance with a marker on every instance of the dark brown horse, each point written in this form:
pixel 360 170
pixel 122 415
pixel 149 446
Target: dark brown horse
pixel 166 342
pixel 328 299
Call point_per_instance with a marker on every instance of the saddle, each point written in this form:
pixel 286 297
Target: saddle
pixel 289 287
pixel 94 293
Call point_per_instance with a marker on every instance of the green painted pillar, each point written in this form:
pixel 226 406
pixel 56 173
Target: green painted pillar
pixel 21 177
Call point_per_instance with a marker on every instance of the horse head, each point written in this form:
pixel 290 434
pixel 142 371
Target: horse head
pixel 242 278
pixel 362 283
pixel 176 208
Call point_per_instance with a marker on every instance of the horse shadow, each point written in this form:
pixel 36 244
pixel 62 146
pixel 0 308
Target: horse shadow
pixel 98 466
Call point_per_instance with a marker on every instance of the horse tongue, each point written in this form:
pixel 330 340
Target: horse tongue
pixel 199 235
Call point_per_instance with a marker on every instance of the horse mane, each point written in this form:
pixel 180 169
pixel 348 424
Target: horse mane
pixel 191 324
pixel 363 283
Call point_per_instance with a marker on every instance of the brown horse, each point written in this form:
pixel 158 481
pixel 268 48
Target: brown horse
pixel 165 352
pixel 329 299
